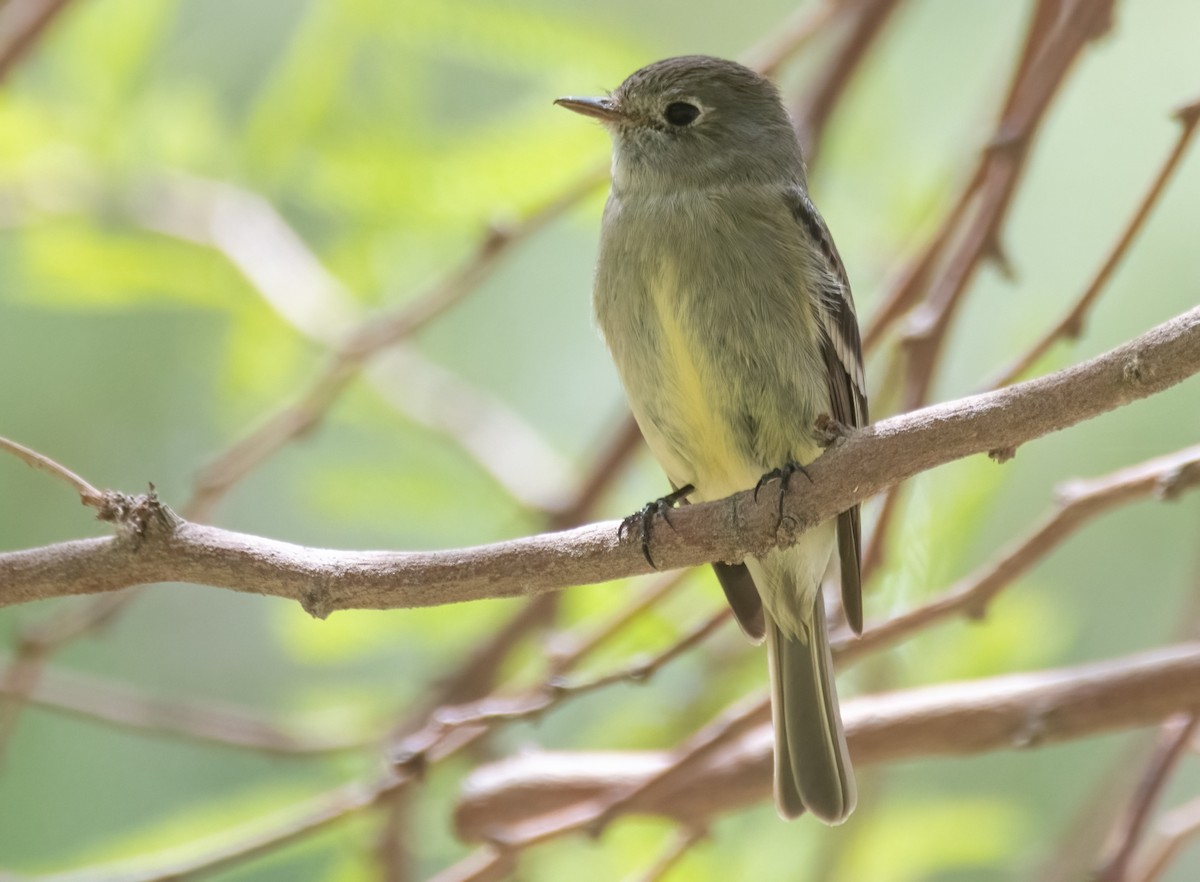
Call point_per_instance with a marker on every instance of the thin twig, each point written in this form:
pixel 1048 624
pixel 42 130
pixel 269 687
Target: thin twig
pixel 1070 326
pixel 566 651
pixel 88 494
pixel 370 338
pixel 1078 502
pixel 22 24
pixel 791 35
pixel 555 690
pixel 1127 833
pixel 811 113
pixel 1176 829
pixel 1081 22
pixel 681 843
pixel 971 231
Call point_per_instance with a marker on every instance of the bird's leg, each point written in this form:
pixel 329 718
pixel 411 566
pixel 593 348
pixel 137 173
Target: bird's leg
pixel 643 519
pixel 784 474
pixel 830 431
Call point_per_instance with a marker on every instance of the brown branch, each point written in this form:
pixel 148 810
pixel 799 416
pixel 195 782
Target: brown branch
pixel 484 865
pixel 812 112
pixel 790 36
pixel 1054 39
pixel 595 813
pixel 22 24
pixel 371 337
pixel 1081 22
pixel 1017 711
pixel 556 689
pixel 1176 829
pixel 1174 739
pixel 905 291
pixel 1005 712
pixel 88 494
pixel 166 549
pixel 1079 501
pixel 566 651
pixel 260 243
pixel 1070 326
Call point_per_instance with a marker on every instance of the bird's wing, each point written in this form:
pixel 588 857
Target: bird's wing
pixel 842 349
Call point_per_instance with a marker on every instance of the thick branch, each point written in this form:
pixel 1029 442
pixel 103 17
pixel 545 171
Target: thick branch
pixel 1014 711
pixel 165 548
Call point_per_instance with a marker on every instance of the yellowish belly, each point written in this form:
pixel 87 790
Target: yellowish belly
pixel 691 434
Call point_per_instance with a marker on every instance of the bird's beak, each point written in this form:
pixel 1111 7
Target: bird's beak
pixel 603 109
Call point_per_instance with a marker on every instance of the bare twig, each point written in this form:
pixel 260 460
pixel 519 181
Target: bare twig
pixel 1078 502
pixel 556 689
pixel 867 19
pixel 276 261
pixel 905 291
pixel 1176 829
pixel 980 715
pixel 370 338
pixel 1057 34
pixel 22 24
pixel 88 494
pixel 1080 22
pixel 1070 326
pixel 1131 825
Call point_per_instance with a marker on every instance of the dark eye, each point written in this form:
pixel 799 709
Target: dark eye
pixel 680 113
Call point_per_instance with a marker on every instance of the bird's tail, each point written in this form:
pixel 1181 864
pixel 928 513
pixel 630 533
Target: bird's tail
pixel 812 765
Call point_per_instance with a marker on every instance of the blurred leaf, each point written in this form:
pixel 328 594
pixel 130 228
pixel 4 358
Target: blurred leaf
pixel 914 840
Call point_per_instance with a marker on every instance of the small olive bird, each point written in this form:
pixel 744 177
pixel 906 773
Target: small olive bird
pixel 728 313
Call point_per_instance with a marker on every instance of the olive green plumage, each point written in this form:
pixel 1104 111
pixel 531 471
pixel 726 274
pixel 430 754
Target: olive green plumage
pixel 727 311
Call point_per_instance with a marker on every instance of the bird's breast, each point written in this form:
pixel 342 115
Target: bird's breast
pixel 702 305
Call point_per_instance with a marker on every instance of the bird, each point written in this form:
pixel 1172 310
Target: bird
pixel 728 313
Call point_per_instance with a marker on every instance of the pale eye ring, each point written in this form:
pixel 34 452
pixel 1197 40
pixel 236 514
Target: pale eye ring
pixel 681 113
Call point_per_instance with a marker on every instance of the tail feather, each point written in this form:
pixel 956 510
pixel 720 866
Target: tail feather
pixel 812 764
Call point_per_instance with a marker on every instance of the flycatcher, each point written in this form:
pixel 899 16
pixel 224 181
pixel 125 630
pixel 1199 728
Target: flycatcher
pixel 728 313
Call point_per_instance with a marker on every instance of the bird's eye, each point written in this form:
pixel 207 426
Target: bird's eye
pixel 680 113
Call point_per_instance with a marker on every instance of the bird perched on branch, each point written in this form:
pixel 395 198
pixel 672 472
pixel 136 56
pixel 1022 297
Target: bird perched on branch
pixel 728 313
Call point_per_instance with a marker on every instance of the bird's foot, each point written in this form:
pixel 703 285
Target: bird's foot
pixel 831 431
pixel 643 519
pixel 784 475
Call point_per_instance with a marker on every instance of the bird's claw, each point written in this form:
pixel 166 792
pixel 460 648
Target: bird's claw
pixel 643 519
pixel 784 475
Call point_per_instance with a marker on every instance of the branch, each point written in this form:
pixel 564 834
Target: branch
pixel 1070 326
pixel 371 337
pixel 1016 711
pixel 22 23
pixel 88 494
pixel 811 113
pixel 164 548
pixel 1176 829
pixel 1078 502
pixel 1174 739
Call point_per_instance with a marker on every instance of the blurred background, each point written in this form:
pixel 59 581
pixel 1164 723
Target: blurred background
pixel 199 197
